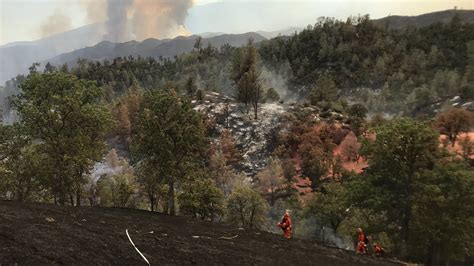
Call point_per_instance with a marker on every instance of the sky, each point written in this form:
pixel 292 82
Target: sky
pixel 26 20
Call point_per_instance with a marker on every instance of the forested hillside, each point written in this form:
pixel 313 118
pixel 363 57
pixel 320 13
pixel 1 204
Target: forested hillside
pixel 400 22
pixel 413 71
pixel 405 70
pixel 167 48
pixel 347 124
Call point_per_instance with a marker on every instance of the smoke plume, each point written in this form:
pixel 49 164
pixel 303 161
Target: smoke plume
pixel 96 10
pixel 55 23
pixel 117 22
pixel 139 19
pixel 159 18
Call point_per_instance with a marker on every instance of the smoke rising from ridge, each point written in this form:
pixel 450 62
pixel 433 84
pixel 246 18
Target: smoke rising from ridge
pixel 55 23
pixel 117 23
pixel 160 17
pixel 139 19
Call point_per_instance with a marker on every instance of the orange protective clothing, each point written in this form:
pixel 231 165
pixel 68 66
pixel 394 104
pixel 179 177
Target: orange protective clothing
pixel 361 246
pixel 285 225
pixel 378 250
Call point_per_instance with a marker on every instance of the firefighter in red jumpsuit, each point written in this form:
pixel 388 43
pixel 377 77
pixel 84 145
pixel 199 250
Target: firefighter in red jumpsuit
pixel 361 245
pixel 378 250
pixel 285 225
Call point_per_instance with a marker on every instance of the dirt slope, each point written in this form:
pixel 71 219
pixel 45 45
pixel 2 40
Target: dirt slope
pixel 97 236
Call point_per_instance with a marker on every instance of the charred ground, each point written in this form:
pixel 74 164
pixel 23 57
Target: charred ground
pixel 32 234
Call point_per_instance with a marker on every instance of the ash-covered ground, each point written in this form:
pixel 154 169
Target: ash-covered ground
pixel 255 138
pixel 44 234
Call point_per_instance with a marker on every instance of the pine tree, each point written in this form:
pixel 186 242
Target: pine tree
pixel 246 76
pixel 168 141
pixel 402 150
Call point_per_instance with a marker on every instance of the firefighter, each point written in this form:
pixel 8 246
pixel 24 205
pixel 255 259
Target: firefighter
pixel 378 250
pixel 361 239
pixel 285 224
pixel 367 241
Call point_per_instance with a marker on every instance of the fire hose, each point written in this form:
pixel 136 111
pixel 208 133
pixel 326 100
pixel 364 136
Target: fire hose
pixel 126 231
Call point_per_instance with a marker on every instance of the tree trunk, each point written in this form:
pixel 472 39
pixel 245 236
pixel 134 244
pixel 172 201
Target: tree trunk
pixel 78 197
pixel 255 104
pixel 62 198
pixel 242 216
pixel 212 212
pixel 63 193
pixel 255 108
pixel 272 196
pixel 251 216
pixel 71 199
pixel 406 231
pixel 227 115
pixel 246 96
pixel 152 202
pixel 434 256
pixel 165 207
pixel 171 206
pixel 453 141
pixel 407 211
pixel 20 197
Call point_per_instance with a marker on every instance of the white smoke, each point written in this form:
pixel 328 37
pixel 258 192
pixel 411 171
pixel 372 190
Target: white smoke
pixel 56 23
pixel 279 79
pixel 139 19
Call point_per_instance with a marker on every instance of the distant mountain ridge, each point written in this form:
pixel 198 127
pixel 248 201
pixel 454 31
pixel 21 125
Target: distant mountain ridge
pixel 66 47
pixel 151 47
pixel 18 56
pixel 399 22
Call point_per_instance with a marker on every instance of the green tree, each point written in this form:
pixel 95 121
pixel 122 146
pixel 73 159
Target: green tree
pixel 454 121
pixel 401 151
pixel 21 164
pixel 314 166
pixel 124 111
pixel 467 89
pixel 358 111
pixel 272 95
pixel 201 198
pixel 153 184
pixel 289 172
pixel 246 207
pixel 246 76
pixel 117 190
pixel 222 173
pixel 190 86
pixel 467 147
pixel 357 114
pixel 443 214
pixel 445 82
pixel 271 177
pixel 168 140
pixel 330 206
pixel 67 118
pixel 325 90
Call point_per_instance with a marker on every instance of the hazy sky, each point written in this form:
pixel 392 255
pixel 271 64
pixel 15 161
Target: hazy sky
pixel 25 20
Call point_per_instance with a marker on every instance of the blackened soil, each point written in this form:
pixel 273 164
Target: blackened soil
pixel 38 234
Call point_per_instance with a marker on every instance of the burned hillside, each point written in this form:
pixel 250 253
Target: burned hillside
pixel 53 235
